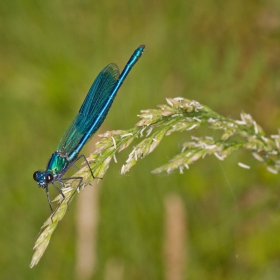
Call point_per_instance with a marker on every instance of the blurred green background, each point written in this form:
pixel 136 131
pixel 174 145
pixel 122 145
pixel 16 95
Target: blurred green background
pixel 225 54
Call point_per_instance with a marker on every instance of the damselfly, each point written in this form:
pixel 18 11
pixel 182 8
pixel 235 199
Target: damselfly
pixel 91 115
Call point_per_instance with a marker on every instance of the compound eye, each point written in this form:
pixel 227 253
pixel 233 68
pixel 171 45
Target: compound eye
pixel 35 175
pixel 49 178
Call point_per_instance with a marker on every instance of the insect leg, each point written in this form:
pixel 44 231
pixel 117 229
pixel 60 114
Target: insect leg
pixel 48 197
pixel 82 156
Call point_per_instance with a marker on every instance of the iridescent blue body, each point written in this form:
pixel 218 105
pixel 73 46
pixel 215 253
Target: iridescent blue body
pixel 91 115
